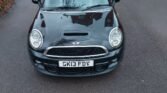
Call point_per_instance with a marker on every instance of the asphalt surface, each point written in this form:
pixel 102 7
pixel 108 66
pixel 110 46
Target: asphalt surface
pixel 143 69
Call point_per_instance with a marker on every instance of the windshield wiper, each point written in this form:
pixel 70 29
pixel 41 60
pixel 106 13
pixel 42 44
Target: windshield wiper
pixel 61 7
pixel 90 7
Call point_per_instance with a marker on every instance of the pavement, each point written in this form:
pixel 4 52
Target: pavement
pixel 143 68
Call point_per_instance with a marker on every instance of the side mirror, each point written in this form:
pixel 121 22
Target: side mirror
pixel 35 1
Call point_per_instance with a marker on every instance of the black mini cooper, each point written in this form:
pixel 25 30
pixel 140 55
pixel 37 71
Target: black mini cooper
pixel 75 38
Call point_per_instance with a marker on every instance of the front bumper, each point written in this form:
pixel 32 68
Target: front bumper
pixel 49 66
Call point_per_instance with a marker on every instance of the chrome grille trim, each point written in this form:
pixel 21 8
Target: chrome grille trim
pixel 97 55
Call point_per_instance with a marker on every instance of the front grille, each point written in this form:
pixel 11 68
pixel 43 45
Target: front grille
pixel 76 70
pixel 76 51
pixel 53 68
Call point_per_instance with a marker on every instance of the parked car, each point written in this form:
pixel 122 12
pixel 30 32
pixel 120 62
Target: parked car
pixel 76 38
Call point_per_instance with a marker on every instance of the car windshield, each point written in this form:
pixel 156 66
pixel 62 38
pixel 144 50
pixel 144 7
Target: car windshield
pixel 74 4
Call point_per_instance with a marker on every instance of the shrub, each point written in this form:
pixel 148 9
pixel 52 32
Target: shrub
pixel 5 5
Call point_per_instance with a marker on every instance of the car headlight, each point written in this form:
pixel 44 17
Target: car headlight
pixel 36 39
pixel 115 37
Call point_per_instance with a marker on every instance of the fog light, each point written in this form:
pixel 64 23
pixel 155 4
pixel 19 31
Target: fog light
pixel 101 68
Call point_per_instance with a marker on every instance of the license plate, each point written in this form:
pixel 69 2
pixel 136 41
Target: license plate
pixel 75 64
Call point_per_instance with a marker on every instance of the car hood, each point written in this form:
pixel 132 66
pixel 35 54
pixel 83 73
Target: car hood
pixel 85 28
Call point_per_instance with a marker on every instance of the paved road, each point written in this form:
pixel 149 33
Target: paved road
pixel 143 70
